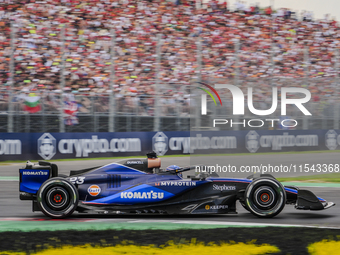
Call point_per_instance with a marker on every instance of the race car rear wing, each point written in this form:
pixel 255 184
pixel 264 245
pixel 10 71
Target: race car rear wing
pixel 33 176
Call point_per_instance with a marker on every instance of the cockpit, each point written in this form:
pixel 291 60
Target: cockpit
pixel 151 164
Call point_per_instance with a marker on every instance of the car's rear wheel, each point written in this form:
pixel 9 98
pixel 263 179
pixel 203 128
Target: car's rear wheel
pixel 265 197
pixel 57 198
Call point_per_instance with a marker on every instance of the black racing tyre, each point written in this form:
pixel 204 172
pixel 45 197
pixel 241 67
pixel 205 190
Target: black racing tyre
pixel 57 198
pixel 265 197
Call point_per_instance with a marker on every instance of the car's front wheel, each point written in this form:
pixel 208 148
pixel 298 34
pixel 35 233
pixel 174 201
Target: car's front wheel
pixel 57 198
pixel 265 197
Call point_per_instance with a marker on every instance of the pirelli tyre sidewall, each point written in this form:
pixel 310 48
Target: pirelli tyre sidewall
pixel 265 197
pixel 57 197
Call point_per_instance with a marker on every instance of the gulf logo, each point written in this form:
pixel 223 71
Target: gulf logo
pixel 94 190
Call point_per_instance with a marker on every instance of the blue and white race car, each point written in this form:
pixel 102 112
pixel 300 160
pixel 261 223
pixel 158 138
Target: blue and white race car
pixel 135 186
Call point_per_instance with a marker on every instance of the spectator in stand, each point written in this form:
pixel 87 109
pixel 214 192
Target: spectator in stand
pixel 287 13
pixel 223 5
pixel 38 50
pixel 257 9
pixel 268 11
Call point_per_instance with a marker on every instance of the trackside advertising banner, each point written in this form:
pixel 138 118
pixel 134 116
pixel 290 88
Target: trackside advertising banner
pixel 46 146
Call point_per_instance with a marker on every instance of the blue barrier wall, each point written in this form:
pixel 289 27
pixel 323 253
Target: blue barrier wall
pixel 46 146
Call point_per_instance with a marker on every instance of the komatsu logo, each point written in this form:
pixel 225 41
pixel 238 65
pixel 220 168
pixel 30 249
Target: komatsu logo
pixel 34 173
pixel 142 195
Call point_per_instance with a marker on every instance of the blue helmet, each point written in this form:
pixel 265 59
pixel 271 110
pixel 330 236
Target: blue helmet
pixel 172 167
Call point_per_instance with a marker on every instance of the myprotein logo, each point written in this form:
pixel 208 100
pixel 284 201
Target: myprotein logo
pixel 238 100
pixel 175 183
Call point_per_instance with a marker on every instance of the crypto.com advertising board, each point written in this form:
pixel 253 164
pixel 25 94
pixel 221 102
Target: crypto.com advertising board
pixel 49 146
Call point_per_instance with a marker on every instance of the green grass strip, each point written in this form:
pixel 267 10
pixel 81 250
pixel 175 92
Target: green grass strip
pixel 9 178
pixel 50 225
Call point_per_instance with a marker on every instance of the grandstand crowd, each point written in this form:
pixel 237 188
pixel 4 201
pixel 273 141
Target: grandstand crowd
pixel 272 49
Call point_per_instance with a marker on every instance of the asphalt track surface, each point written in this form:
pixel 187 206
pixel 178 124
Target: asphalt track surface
pixel 11 207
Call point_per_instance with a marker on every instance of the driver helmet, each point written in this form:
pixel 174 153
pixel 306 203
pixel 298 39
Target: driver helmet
pixel 172 167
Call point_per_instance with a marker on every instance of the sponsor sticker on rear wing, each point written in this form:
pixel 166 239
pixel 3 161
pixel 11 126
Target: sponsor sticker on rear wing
pixel 32 179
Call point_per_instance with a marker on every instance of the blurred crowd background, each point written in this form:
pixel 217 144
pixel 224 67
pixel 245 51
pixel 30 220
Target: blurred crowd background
pixel 58 53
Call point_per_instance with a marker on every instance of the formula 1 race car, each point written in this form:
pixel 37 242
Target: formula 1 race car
pixel 135 186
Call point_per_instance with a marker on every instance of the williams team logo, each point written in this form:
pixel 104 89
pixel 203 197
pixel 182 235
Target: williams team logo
pixel 47 146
